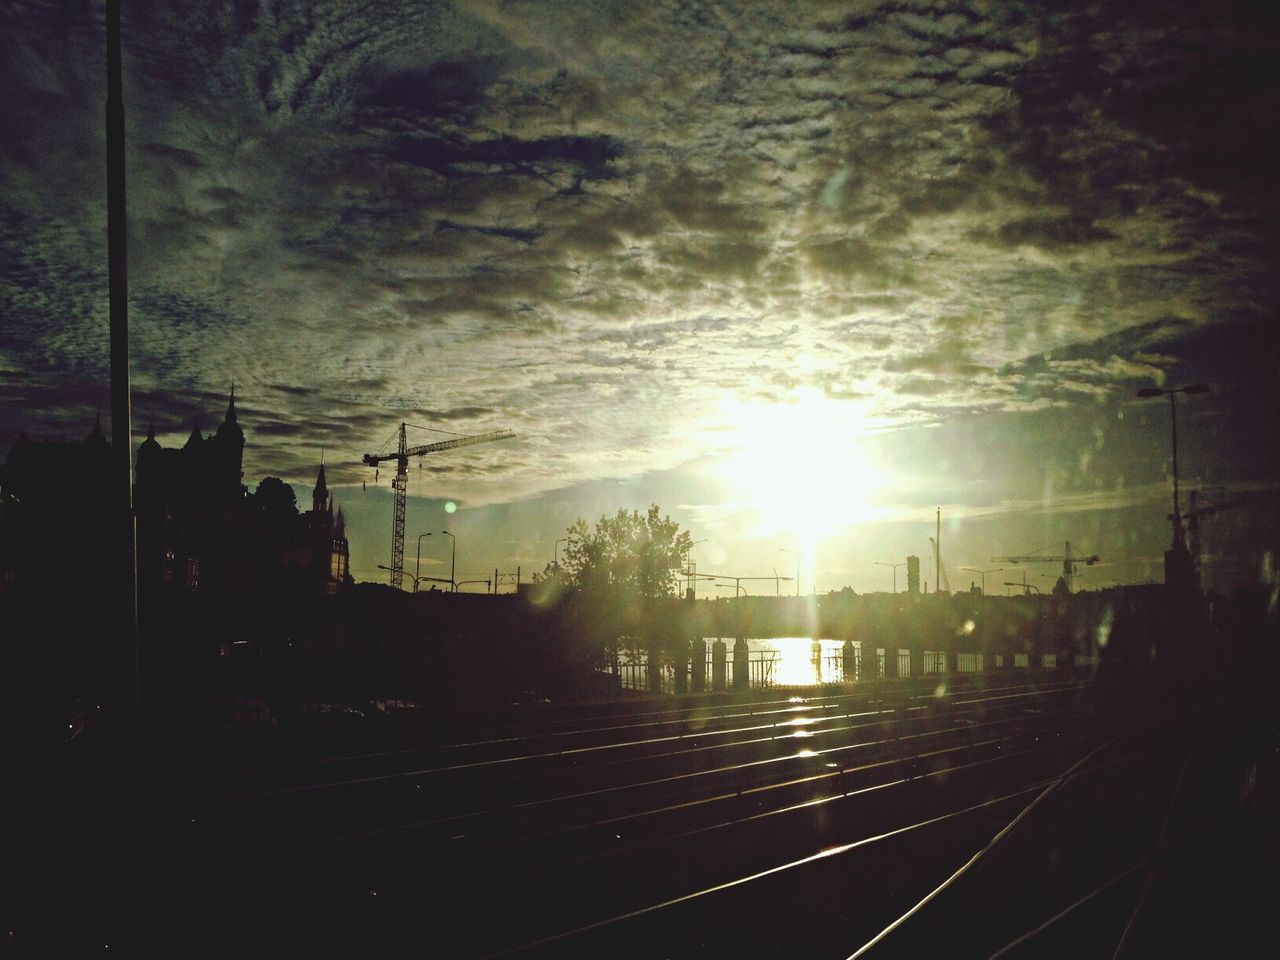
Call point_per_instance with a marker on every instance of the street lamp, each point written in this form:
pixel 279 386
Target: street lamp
pixel 797 556
pixel 1147 392
pixel 382 566
pixel 1179 563
pixel 453 557
pixel 418 565
pixel 984 573
pixel 556 552
pixel 463 583
pixel 886 563
pixel 692 571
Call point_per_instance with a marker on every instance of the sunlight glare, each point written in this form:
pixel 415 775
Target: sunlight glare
pixel 799 467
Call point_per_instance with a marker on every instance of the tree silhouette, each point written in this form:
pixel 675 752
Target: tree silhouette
pixel 274 501
pixel 634 554
pixel 617 579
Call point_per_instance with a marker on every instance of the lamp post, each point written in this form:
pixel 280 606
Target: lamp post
pixel 886 563
pixel 555 562
pixel 463 583
pixel 1190 389
pixel 690 571
pixel 416 578
pixel 797 556
pixel 983 574
pixel 453 557
pixel 417 567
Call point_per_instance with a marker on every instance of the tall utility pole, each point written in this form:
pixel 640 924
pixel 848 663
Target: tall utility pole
pixel 937 559
pixel 1179 565
pixel 886 563
pixel 796 553
pixel 118 312
pixel 983 574
pixel 121 443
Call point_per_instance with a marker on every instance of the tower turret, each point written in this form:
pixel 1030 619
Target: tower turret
pixel 320 495
pixel 229 453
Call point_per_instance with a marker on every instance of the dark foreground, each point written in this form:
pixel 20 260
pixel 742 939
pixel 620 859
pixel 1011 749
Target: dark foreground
pixel 778 825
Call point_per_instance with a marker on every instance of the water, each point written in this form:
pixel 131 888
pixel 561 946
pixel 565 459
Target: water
pixel 797 661
pixel 791 661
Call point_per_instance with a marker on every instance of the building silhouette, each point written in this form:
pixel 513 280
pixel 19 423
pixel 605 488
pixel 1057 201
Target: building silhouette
pixel 200 530
pixel 320 550
pixel 190 505
pixel 913 576
pixel 55 517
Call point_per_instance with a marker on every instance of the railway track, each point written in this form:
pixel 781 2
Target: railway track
pixel 496 838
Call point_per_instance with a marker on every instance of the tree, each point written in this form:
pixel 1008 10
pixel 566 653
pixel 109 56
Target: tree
pixel 618 576
pixel 274 500
pixel 633 554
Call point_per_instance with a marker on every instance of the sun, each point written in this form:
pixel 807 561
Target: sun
pixel 800 468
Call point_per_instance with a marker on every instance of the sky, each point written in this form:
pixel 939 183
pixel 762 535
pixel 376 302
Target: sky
pixel 801 273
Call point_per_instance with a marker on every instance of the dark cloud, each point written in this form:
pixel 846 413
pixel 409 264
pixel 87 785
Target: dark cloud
pixel 596 229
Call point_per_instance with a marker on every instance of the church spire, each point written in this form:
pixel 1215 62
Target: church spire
pixel 320 495
pixel 96 437
pixel 231 405
pixel 229 431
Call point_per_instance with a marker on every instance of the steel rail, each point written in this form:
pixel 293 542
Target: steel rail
pixel 417 825
pixel 1022 816
pixel 758 816
pixel 795 705
pixel 821 855
pixel 577 751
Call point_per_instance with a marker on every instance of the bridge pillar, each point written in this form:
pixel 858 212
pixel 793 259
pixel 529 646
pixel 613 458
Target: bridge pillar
pixel 849 661
pixel 890 662
pixel 741 664
pixel 698 664
pixel 654 668
pixel 718 657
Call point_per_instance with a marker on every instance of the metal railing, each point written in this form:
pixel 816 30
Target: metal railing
pixel 633 674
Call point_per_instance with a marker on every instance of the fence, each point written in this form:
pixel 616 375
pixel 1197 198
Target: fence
pixel 633 674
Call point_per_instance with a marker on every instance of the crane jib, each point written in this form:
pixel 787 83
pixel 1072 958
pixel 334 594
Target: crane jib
pixel 374 459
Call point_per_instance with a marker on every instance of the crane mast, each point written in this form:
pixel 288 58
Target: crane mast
pixel 400 483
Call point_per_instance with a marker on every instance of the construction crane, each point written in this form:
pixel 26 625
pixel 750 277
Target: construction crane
pixel 1196 512
pixel 1069 562
pixel 401 481
pixel 942 568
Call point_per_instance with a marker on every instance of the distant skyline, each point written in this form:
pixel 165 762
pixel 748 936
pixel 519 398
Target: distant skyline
pixel 799 273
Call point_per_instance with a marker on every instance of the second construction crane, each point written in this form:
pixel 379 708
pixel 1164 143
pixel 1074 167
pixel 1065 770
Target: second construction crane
pixel 1069 562
pixel 401 482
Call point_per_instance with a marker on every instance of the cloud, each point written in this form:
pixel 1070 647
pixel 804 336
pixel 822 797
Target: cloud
pixel 485 215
